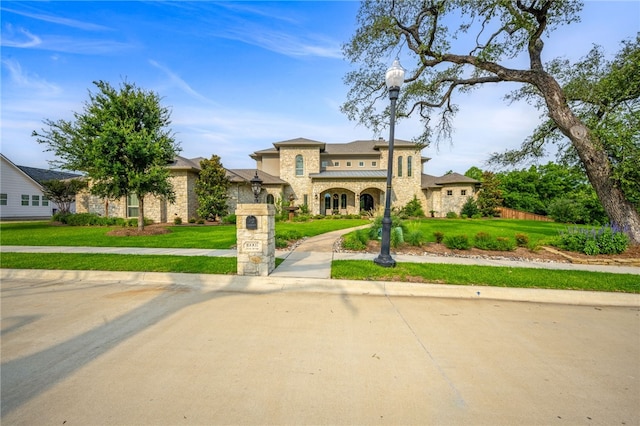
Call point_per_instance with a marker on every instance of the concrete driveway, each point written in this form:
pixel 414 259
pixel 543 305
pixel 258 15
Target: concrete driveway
pixel 107 352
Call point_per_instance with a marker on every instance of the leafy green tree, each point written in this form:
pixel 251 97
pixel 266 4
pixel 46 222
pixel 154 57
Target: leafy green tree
pixel 63 192
pixel 490 195
pixel 459 45
pixel 211 189
pixel 120 140
pixel 474 173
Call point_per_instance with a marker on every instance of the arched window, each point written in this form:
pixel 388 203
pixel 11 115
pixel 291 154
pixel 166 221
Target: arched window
pixel 270 199
pixel 299 165
pixel 400 166
pixel 327 202
pixel 343 201
pixel 409 166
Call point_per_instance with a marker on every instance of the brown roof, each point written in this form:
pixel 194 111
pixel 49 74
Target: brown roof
pixel 299 142
pixel 429 181
pixel 245 175
pixel 185 163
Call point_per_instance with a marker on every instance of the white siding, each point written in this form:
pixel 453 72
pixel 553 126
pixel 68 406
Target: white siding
pixel 15 183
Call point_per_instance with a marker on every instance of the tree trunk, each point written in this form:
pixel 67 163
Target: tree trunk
pixel 106 207
pixel 595 160
pixel 140 213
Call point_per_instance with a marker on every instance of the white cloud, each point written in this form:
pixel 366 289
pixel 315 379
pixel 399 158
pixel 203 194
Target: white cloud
pixel 178 82
pixel 26 80
pixel 19 38
pixel 73 23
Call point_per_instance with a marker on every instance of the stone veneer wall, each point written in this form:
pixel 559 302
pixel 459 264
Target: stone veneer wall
pixel 299 185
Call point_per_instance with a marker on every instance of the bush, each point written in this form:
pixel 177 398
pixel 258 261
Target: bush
pixel 470 208
pixel 565 210
pixel 504 244
pixel 457 242
pixel 452 215
pixel 415 238
pixel 192 220
pixel 356 240
pixel 594 241
pixel 200 221
pixel 177 220
pixel 301 218
pixel 439 236
pixel 229 219
pixel 522 240
pixel 412 209
pixel 484 241
pixel 281 243
pixel 87 219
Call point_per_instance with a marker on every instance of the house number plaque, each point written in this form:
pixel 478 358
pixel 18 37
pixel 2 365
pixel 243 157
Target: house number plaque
pixel 252 246
pixel 252 222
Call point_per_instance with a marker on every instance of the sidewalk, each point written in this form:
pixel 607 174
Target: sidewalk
pixel 313 256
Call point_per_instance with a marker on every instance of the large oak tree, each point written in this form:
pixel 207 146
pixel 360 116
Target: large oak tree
pixel 458 45
pixel 121 141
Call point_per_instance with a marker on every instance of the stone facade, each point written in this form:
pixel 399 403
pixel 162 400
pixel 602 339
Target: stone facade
pixel 329 178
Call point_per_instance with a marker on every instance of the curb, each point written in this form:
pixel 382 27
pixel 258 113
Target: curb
pixel 258 285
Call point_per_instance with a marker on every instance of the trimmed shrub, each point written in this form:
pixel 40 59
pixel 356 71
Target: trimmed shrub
pixel 439 236
pixel 177 220
pixel 452 215
pixel 192 220
pixel 522 240
pixel 457 242
pixel 484 241
pixel 415 238
pixel 504 244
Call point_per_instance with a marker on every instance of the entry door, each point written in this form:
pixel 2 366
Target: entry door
pixel 366 202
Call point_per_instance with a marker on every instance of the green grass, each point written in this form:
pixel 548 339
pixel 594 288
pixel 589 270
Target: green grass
pixel 487 275
pixel 115 262
pixel 539 233
pixel 206 237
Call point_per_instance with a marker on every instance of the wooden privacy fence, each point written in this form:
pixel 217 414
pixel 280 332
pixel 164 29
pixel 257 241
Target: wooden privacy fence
pixel 507 213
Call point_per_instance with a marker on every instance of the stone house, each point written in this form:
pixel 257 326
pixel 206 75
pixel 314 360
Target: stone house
pixel 328 178
pixel 350 177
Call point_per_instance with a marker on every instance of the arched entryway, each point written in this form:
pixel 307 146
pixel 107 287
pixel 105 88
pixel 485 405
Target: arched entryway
pixel 366 203
pixel 337 201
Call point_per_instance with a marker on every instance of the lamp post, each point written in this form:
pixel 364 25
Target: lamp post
pixel 394 78
pixel 256 186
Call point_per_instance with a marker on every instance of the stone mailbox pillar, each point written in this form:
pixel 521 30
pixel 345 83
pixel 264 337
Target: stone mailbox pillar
pixel 256 239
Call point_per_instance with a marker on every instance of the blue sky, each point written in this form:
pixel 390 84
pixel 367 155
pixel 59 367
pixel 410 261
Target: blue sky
pixel 239 76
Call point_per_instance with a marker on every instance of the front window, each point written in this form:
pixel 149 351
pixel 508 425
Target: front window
pixel 327 202
pixel 24 200
pixel 299 165
pixel 3 199
pixel 463 192
pixel 400 166
pixel 449 192
pixel 132 205
pixel 45 201
pixel 409 166
pixel 343 201
pixel 35 200
pixel 270 199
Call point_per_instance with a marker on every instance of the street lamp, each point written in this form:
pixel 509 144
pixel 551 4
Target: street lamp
pixel 256 187
pixel 394 78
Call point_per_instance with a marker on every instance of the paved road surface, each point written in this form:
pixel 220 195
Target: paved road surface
pixel 107 352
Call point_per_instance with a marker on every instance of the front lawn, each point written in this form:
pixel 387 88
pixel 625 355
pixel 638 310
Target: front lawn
pixel 486 275
pixel 181 236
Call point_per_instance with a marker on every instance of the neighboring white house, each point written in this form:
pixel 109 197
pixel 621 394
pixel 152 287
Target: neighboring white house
pixel 21 195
